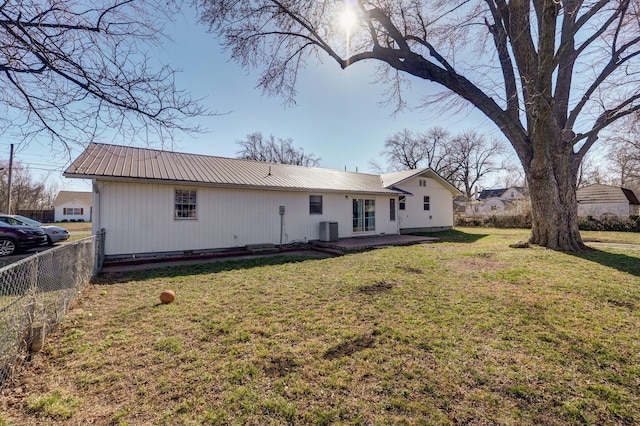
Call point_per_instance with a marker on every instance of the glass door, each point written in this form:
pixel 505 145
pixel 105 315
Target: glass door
pixel 364 215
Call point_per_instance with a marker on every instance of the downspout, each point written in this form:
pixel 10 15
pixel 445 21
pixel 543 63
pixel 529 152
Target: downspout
pixel 453 212
pixel 95 220
pixel 281 211
pixel 397 209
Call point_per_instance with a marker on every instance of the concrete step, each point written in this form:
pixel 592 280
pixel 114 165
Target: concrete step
pixel 261 248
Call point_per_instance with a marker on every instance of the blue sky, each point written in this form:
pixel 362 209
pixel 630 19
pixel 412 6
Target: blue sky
pixel 338 116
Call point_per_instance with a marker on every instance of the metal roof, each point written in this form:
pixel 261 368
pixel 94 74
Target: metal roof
pixel 599 193
pixel 389 180
pixel 127 163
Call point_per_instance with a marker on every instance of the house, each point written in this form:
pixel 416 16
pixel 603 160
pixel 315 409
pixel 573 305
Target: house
pixel 150 201
pixel 597 200
pixel 72 206
pixel 425 200
pixel 504 201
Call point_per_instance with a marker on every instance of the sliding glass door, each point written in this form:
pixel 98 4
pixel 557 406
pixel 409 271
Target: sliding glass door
pixel 364 215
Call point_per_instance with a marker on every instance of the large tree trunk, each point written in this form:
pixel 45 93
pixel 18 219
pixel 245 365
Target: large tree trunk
pixel 552 177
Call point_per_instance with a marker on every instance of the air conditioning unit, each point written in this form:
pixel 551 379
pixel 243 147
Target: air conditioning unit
pixel 328 231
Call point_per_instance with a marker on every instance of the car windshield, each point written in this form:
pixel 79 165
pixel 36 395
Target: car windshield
pixel 28 221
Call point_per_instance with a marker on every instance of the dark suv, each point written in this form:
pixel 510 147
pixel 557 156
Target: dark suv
pixel 14 239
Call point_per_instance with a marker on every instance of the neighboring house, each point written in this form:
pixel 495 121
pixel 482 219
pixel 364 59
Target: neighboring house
pixel 597 200
pixel 504 201
pixel 151 201
pixel 73 206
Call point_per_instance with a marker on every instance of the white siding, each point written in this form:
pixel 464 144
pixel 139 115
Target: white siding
pixel 511 194
pixel 596 200
pixel 139 217
pixel 59 215
pixel 598 209
pixel 440 213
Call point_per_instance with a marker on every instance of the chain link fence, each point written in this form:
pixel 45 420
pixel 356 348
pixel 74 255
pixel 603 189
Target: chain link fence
pixel 35 294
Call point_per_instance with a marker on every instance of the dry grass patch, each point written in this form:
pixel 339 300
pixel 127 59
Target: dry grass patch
pixel 378 287
pixel 349 347
pixel 75 226
pixel 405 335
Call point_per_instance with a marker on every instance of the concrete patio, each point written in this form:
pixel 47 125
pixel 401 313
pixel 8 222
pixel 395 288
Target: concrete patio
pixel 376 241
pixel 315 249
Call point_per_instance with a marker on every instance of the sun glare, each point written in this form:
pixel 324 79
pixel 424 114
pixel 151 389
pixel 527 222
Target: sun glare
pixel 348 18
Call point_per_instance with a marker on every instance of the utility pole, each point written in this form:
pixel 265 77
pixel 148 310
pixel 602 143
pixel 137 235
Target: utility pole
pixel 9 180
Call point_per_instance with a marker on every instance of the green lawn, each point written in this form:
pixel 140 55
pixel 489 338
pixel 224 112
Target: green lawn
pixel 74 226
pixel 463 331
pixel 611 237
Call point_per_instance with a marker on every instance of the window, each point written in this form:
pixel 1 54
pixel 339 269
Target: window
pixel 392 209
pixel 426 203
pixel 315 204
pixel 422 182
pixel 73 211
pixel 364 215
pixel 185 204
pixel 401 202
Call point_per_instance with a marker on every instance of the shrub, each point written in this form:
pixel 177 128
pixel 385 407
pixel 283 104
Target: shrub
pixel 585 223
pixel 515 221
pixel 610 223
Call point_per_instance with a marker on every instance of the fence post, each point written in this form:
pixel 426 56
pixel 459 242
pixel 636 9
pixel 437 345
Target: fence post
pixel 99 252
pixel 39 289
pixel 32 290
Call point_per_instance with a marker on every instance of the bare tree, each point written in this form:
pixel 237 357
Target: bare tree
pixel 624 157
pixel 565 70
pixel 512 175
pixel 410 150
pixel 473 157
pixel 404 150
pixel 375 166
pixel 73 70
pixel 257 147
pixel 463 160
pixel 27 193
pixel 592 171
pixel 437 143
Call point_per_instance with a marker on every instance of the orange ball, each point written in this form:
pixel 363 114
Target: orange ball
pixel 167 296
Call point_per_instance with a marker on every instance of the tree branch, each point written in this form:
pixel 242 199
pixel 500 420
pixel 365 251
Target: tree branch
pixel 500 40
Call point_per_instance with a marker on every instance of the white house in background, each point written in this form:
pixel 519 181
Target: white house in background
pixel 73 206
pixel 151 201
pixel 596 200
pixel 504 201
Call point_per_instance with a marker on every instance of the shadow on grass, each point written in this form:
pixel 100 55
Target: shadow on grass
pixel 453 236
pixel 621 262
pixel 197 269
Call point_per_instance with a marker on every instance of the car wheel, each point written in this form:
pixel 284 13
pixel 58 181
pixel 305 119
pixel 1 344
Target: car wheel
pixel 8 247
pixel 49 241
